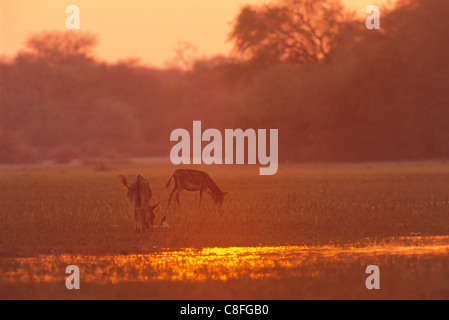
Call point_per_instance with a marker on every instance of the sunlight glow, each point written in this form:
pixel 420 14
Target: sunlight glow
pixel 205 264
pixel 149 30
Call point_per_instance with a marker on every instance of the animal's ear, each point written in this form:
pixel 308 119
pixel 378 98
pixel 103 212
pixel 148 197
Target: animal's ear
pixel 155 206
pixel 123 181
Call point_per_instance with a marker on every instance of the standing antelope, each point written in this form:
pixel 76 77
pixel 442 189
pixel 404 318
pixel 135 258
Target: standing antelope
pixel 195 180
pixel 139 195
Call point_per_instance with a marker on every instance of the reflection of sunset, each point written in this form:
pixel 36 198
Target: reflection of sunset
pixel 361 144
pixel 206 264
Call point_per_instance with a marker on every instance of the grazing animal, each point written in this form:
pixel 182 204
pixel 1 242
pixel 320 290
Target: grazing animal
pixel 195 180
pixel 139 195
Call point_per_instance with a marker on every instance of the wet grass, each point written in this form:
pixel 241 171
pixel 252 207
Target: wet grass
pixel 75 210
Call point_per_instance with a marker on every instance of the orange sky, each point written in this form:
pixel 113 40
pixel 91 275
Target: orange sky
pixel 145 29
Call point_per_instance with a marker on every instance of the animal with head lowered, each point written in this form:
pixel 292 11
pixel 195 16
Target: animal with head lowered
pixel 195 180
pixel 139 195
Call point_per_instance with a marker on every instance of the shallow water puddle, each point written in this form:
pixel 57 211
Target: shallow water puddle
pixel 201 264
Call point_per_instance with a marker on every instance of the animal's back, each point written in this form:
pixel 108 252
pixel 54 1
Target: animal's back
pixel 139 192
pixel 190 173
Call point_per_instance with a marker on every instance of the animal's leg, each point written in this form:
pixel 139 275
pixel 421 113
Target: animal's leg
pixel 136 219
pixel 177 196
pixel 141 219
pixel 148 219
pixel 172 192
pixel 151 218
pixel 145 221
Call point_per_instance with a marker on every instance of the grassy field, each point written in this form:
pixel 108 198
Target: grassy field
pixel 77 211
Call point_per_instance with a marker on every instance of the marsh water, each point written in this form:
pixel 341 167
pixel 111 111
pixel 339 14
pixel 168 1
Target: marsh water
pixel 204 264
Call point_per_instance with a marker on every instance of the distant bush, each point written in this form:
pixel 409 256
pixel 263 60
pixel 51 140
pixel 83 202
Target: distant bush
pixel 64 154
pixel 13 150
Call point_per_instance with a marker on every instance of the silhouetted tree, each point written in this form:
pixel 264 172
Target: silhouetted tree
pixel 292 31
pixel 380 95
pixel 60 46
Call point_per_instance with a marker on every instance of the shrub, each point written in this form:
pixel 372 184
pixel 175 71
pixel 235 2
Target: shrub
pixel 13 150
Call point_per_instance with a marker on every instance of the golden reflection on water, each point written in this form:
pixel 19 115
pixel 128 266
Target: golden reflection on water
pixel 200 264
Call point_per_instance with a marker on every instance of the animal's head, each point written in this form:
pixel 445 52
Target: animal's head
pixel 219 196
pixel 152 209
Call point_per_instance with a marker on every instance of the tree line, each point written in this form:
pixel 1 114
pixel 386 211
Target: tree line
pixel 335 90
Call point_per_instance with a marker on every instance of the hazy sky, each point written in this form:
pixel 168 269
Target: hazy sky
pixel 145 29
